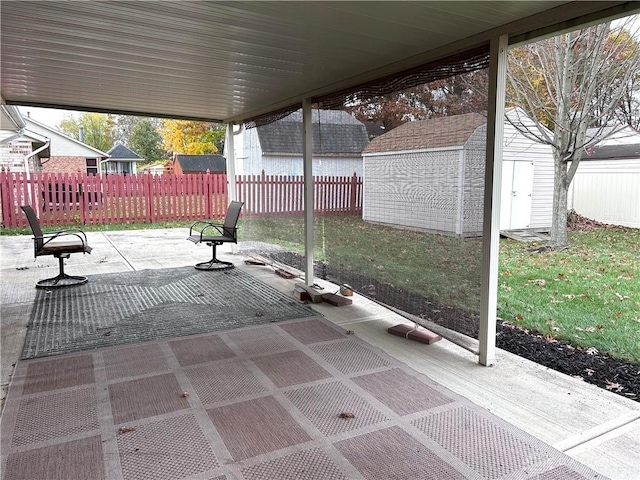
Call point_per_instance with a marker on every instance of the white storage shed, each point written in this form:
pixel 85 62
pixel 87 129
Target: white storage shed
pixel 429 175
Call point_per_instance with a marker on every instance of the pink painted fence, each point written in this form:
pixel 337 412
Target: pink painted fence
pixel 80 199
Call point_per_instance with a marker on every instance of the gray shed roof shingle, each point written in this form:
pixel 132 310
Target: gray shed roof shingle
pixel 612 152
pixel 433 133
pixel 334 132
pixel 202 163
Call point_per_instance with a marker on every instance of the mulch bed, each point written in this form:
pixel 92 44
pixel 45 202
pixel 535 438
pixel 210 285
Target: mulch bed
pixel 590 365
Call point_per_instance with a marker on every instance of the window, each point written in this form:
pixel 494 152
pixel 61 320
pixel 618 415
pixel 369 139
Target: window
pixel 92 166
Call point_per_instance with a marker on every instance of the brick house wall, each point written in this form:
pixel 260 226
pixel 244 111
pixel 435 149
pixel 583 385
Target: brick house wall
pixel 64 165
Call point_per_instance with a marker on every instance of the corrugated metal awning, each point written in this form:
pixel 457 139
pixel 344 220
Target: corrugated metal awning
pixel 226 61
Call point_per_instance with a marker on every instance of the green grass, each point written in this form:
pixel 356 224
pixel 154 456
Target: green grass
pixel 588 294
pixel 444 268
pixel 100 228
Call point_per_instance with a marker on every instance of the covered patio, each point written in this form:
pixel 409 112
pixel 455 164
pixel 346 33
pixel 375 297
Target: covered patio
pixel 248 63
pixel 545 408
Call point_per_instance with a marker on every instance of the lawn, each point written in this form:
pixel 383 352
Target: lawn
pixel 588 294
pixel 445 269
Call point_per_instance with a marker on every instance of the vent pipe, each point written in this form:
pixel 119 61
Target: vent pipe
pixel 81 134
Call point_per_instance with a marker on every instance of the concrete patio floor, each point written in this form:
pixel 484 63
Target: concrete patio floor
pixel 594 426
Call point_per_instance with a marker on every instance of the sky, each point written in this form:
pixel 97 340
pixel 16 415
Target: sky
pixel 49 116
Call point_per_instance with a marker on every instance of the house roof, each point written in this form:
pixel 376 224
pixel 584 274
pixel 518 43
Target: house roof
pixel 433 133
pixel 612 152
pixel 230 61
pixel 202 163
pixel 334 133
pixel 59 140
pixel 120 152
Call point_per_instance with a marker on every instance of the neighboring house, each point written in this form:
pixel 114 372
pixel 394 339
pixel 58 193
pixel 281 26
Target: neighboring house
pixel 21 150
pixel 606 186
pixel 276 148
pixel 429 175
pixel 157 169
pixel 121 160
pixel 188 164
pixel 67 155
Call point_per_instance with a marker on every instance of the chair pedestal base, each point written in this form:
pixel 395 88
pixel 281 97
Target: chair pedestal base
pixel 62 279
pixel 214 264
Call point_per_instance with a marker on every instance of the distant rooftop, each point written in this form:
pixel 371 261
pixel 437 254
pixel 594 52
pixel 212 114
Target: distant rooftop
pixel 334 133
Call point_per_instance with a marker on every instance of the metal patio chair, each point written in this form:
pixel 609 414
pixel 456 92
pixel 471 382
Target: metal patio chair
pixel 59 244
pixel 214 234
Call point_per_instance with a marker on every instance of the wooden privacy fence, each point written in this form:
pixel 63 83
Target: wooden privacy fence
pixel 78 198
pixel 283 195
pixel 81 199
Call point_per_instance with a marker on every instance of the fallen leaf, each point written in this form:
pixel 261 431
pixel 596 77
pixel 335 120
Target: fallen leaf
pixel 185 394
pixel 614 387
pixel 519 316
pixel 122 430
pixel 347 415
pixel 350 332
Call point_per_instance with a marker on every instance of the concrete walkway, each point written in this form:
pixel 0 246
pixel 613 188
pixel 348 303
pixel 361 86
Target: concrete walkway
pixel 594 426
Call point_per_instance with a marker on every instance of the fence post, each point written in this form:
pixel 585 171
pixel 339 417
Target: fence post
pixel 208 191
pixel 149 193
pixel 5 198
pixel 354 189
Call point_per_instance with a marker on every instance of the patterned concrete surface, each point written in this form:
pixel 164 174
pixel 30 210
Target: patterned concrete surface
pixel 299 399
pixel 592 425
pixel 131 307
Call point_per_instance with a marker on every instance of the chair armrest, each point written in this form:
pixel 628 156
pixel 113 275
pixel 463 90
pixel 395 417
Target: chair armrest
pixel 47 237
pixel 207 225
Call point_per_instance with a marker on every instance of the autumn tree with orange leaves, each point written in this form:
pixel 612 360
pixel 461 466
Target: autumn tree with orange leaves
pixel 191 137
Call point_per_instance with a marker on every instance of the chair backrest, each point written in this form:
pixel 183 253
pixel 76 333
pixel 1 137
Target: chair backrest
pixel 34 223
pixel 231 219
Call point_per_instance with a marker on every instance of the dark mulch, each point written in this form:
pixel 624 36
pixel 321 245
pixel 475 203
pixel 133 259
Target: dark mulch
pixel 593 367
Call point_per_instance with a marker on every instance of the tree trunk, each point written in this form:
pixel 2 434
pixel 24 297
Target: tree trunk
pixel 559 218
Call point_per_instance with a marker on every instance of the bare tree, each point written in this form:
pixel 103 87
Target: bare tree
pixel 567 84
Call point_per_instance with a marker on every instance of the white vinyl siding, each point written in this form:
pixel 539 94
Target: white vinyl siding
pixel 608 191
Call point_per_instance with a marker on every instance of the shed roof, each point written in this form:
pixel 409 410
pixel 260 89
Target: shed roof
pixel 433 133
pixel 202 163
pixel 120 152
pixel 612 152
pixel 334 132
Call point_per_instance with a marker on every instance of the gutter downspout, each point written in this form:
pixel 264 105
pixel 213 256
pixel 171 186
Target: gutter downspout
pixel 26 164
pixel 13 137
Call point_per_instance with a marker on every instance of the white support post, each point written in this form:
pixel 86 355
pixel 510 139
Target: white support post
pixel 231 163
pixel 231 172
pixel 307 157
pixel 492 190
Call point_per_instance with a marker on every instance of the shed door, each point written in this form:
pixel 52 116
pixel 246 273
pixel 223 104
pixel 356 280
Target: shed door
pixel 517 188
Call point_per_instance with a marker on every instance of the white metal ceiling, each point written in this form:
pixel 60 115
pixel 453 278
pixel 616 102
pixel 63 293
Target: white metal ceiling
pixel 232 60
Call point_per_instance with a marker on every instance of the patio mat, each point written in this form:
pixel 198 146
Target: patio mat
pixel 129 307
pixel 295 400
